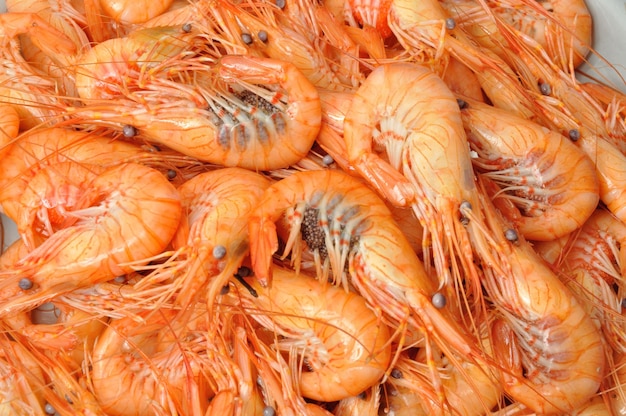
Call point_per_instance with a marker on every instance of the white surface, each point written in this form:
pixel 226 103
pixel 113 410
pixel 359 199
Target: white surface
pixel 609 34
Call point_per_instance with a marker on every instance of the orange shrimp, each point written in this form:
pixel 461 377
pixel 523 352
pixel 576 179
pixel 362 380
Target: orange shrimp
pixel 132 216
pixel 356 239
pixel 345 357
pixel 366 403
pixel 370 13
pixel 212 239
pixel 550 180
pixel 262 115
pixel 404 135
pixel 158 365
pixel 40 147
pixel 125 11
pixel 553 349
pixel 21 380
pixel 119 66
pixel 50 195
pixel 562 27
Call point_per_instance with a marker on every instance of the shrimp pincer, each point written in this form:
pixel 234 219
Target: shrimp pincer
pixel 342 340
pixel 552 346
pixel 132 214
pixel 552 182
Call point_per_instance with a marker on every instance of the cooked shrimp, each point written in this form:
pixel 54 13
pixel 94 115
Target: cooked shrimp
pixel 154 366
pixel 21 380
pixel 617 382
pixel 404 135
pixel 356 239
pixel 131 11
pixel 118 66
pixel 372 13
pixel 212 240
pixel 273 39
pixel 40 147
pixel 50 195
pixel 553 349
pixel 345 356
pixel 562 27
pixel 550 180
pixel 257 106
pixel 133 214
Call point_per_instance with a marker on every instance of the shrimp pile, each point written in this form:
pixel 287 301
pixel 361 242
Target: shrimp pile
pixel 292 207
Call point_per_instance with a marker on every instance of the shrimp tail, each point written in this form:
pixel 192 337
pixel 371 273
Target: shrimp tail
pixel 262 248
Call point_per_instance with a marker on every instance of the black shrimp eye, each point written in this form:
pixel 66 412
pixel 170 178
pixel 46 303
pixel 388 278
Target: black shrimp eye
pixel 25 283
pixel 262 35
pixel 395 373
pixel 574 135
pixel 244 271
pixel 129 131
pixel 450 23
pixel 439 300
pixel 511 235
pixel 462 103
pixel 246 38
pixel 171 174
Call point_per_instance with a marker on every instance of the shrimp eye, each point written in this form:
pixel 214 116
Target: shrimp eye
pixel 262 35
pixel 244 271
pixel 464 208
pixel 225 289
pixel 462 103
pixel 450 23
pixel 545 88
pixel 187 27
pixel 395 373
pixel 171 174
pixel 120 279
pixel 219 252
pixel 129 131
pixel 247 39
pixel 511 235
pixel 624 303
pixel 25 283
pixel 281 4
pixel 439 300
pixel 574 135
pixel 328 160
pixel 269 411
pixel 49 409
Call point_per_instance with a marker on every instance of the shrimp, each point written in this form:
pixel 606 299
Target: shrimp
pixel 370 13
pixel 155 366
pixel 562 27
pixel 594 262
pixel 553 182
pixel 285 42
pixel 49 196
pixel 125 11
pixel 471 392
pixel 404 135
pixel 345 357
pixel 36 148
pixel 132 216
pixel 212 239
pixel 355 237
pixel 262 115
pixel 21 380
pixel 553 349
pixel 117 67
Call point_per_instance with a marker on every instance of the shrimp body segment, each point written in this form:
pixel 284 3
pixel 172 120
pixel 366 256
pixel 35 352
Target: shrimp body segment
pixel 354 353
pixel 133 214
pixel 550 179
